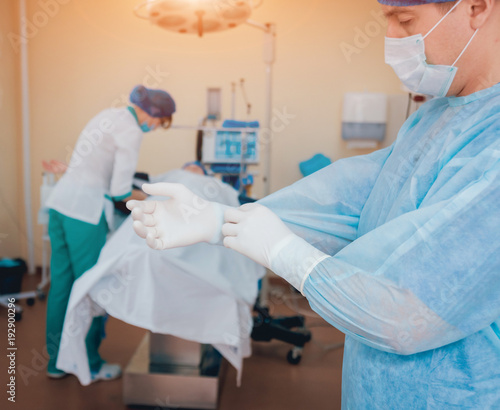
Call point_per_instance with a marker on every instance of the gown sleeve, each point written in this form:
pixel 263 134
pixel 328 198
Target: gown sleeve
pixel 315 208
pixel 423 280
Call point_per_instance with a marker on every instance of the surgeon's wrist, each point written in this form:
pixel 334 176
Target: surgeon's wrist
pixel 294 259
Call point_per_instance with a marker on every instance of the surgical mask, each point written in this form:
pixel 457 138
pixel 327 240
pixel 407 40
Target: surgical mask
pixel 146 128
pixel 407 58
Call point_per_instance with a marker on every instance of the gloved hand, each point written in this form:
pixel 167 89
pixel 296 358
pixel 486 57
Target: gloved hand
pixel 182 219
pixel 256 232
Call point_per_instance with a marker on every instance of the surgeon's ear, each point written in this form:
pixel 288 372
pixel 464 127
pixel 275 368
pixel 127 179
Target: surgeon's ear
pixel 479 11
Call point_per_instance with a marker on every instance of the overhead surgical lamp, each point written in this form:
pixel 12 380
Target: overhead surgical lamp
pixel 196 16
pixel 209 16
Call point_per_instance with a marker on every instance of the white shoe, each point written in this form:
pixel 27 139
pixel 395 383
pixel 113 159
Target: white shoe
pixel 56 375
pixel 107 372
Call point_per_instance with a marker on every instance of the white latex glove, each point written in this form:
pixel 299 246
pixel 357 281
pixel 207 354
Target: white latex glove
pixel 181 220
pixel 254 231
pixel 258 233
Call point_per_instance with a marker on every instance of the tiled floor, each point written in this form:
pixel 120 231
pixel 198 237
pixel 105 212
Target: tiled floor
pixel 269 382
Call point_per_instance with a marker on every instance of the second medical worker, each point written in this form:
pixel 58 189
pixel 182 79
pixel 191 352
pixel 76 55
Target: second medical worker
pixel 101 171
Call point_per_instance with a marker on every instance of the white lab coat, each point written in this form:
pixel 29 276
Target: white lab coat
pixel 103 163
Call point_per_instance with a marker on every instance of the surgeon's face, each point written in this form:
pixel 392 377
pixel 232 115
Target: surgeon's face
pixel 448 39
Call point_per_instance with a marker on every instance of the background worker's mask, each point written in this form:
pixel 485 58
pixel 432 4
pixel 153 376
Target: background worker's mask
pixel 146 128
pixel 407 58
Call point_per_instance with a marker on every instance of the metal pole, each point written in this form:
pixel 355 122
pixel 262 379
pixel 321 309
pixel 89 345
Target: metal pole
pixel 269 57
pixel 26 138
pixel 233 101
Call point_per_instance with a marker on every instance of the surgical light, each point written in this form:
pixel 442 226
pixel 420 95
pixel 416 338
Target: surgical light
pixel 196 16
pixel 210 16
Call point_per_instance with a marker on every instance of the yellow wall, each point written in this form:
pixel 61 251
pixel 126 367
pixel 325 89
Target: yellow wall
pixel 11 230
pixel 85 55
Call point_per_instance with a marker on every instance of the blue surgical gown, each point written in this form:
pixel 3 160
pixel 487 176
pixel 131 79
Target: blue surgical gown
pixel 413 280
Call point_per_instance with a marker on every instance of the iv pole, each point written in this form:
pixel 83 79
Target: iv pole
pixel 26 139
pixel 269 54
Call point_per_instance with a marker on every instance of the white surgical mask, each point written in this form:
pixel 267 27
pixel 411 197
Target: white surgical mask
pixel 407 58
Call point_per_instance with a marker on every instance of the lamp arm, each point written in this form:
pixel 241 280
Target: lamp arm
pixel 263 27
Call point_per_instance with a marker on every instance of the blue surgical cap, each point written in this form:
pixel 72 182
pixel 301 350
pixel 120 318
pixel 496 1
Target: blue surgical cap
pixel 406 3
pixel 157 103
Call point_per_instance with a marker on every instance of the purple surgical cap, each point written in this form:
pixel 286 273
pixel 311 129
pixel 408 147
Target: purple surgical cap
pixel 157 103
pixel 406 3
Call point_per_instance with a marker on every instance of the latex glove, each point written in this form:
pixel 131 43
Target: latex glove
pixel 255 231
pixel 182 219
pixel 258 233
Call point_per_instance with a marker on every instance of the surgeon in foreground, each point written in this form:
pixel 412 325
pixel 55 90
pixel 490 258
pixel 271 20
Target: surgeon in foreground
pixel 399 249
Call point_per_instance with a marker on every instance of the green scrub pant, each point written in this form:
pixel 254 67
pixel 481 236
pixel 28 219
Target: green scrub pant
pixel 75 249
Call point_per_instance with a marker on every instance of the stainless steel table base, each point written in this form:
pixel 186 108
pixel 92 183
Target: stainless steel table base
pixel 165 372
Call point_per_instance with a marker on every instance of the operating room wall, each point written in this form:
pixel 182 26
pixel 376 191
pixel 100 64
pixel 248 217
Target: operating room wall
pixel 86 55
pixel 10 170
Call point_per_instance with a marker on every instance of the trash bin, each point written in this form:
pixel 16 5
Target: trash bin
pixel 11 275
